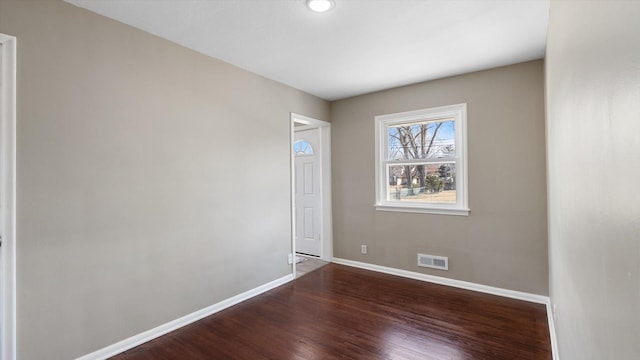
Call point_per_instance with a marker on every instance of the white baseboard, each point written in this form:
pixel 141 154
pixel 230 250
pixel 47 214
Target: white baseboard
pixel 518 295
pixel 552 332
pixel 149 335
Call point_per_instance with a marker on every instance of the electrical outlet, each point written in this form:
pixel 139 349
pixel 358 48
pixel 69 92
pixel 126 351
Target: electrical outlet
pixel 363 249
pixel 290 259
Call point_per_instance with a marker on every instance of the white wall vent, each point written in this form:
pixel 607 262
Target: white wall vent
pixel 432 261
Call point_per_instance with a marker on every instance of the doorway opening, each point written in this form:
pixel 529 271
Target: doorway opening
pixel 311 229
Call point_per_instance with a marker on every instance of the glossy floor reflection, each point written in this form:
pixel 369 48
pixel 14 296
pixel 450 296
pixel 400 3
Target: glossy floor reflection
pixel 343 312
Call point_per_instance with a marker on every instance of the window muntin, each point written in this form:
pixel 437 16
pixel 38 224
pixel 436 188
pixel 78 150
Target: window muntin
pixel 421 161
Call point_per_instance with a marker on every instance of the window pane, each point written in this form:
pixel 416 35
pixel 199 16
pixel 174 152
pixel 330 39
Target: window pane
pixel 427 140
pixel 430 183
pixel 302 147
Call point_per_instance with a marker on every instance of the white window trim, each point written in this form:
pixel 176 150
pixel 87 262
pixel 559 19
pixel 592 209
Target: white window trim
pixel 459 113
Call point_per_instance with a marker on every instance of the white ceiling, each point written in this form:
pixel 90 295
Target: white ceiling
pixel 358 47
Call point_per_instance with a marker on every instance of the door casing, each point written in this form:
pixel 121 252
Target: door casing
pixel 8 197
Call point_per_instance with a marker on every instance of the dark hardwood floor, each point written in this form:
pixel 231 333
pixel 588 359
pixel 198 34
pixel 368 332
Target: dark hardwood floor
pixel 348 313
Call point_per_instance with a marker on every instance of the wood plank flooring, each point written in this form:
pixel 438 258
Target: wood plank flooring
pixel 339 312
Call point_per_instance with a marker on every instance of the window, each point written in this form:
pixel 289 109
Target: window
pixel 421 161
pixel 302 147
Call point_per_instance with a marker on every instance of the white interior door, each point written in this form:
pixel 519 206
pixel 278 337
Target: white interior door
pixel 308 196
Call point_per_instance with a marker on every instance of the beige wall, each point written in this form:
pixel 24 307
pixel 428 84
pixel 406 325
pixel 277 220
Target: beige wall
pixel 593 109
pixel 503 242
pixel 152 181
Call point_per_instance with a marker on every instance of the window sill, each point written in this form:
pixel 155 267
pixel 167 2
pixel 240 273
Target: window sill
pixel 423 210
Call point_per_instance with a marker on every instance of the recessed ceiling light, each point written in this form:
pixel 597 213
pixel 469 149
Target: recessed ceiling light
pixel 320 5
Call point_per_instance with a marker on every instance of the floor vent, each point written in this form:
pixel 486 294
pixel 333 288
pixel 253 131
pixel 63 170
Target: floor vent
pixel 432 261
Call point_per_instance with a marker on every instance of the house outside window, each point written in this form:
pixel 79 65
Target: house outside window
pixel 421 161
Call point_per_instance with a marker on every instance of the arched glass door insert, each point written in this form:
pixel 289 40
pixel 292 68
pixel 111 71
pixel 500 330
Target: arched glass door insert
pixel 302 147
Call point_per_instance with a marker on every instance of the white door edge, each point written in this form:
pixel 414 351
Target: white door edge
pixel 326 233
pixel 8 65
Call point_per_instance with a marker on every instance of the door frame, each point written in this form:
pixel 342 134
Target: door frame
pixel 326 232
pixel 8 64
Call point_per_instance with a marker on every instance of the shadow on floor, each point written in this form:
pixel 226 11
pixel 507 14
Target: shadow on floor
pixel 307 264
